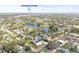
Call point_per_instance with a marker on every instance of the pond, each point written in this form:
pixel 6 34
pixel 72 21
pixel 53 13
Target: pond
pixel 46 30
pixel 32 25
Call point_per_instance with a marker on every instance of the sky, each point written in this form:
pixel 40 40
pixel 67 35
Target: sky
pixel 40 9
pixel 39 2
pixel 44 6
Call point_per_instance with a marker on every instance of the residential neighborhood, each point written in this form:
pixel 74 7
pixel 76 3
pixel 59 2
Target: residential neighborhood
pixel 39 33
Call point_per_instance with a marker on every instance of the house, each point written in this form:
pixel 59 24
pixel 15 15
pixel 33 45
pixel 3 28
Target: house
pixel 61 41
pixel 37 43
pixel 49 38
